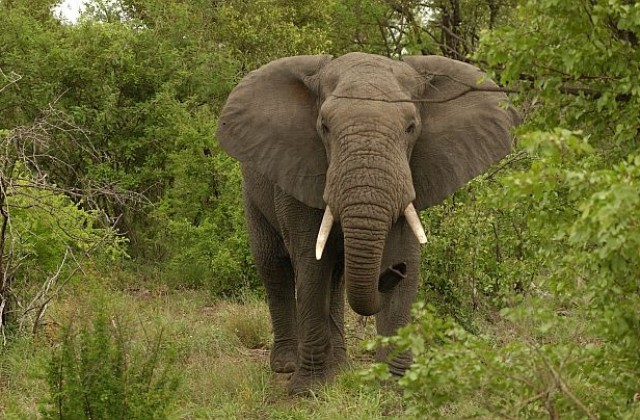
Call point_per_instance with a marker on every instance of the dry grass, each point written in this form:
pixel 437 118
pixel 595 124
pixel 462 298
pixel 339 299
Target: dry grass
pixel 249 322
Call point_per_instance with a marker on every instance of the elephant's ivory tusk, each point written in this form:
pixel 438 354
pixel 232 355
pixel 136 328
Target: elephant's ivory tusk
pixel 414 222
pixel 323 234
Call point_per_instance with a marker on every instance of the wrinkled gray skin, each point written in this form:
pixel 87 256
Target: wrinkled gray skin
pixel 366 136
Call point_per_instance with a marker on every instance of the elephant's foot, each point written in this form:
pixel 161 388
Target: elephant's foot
pixel 398 364
pixel 303 382
pixel 339 358
pixel 284 357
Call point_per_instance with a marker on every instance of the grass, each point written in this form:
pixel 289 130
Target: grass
pixel 21 384
pixel 223 358
pixel 248 322
pixel 222 352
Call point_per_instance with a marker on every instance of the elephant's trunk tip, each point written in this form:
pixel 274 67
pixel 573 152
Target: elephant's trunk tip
pixel 364 310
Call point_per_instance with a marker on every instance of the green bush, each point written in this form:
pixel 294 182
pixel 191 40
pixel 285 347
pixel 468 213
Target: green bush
pixel 481 254
pixel 206 246
pixel 568 344
pixel 546 246
pixel 45 224
pixel 550 370
pixel 100 371
pixel 46 239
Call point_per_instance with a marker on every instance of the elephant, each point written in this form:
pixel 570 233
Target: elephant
pixel 337 156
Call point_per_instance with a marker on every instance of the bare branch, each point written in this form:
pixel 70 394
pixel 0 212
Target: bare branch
pixel 515 158
pixel 10 79
pixel 466 91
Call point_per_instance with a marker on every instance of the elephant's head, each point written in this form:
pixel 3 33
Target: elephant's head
pixel 367 138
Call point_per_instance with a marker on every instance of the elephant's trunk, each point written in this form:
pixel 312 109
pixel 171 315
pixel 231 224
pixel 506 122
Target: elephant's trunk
pixel 368 187
pixel 364 240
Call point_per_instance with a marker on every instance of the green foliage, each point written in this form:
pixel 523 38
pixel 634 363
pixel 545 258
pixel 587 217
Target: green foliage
pixel 264 30
pixel 580 66
pixel 45 226
pixel 598 273
pixel 480 254
pixel 360 26
pixel 566 280
pixel 584 183
pixel 142 99
pixel 46 238
pixel 100 372
pixel 396 28
pixel 456 373
pixel 206 248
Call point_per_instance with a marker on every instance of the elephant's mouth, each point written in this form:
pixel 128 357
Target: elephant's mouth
pixel 410 214
pixel 391 276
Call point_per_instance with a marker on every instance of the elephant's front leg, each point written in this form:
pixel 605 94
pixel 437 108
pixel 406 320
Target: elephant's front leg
pixel 275 269
pixel 316 359
pixel 317 330
pixel 336 313
pixel 401 263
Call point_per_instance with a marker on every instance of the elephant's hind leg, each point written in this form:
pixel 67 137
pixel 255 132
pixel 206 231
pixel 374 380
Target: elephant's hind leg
pixel 402 250
pixel 275 270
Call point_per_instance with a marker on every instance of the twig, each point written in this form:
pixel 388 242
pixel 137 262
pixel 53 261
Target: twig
pixel 12 78
pixel 523 404
pixel 562 386
pixel 518 157
pixel 469 89
pixel 42 292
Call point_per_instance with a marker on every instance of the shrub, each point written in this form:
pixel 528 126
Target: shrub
pixel 206 246
pixel 570 347
pixel 101 371
pixel 45 238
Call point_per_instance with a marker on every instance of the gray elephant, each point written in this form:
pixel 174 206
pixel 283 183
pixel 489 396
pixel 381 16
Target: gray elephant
pixel 337 157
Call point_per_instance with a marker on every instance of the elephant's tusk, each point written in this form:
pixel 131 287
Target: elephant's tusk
pixel 323 234
pixel 414 222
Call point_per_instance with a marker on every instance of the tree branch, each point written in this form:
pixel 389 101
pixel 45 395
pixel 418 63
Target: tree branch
pixel 562 386
pixel 466 91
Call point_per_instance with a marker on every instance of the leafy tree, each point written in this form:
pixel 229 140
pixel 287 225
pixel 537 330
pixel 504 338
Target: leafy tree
pixel 444 27
pixel 456 25
pixel 145 92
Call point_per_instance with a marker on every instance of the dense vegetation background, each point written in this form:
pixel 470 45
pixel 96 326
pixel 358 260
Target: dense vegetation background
pixel 125 277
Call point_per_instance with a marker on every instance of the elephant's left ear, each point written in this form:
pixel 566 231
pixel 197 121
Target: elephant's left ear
pixel 466 124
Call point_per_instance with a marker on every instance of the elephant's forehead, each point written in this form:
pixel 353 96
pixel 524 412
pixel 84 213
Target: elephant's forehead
pixel 368 76
pixel 348 109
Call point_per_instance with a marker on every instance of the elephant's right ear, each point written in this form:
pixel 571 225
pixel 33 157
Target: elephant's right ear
pixel 269 124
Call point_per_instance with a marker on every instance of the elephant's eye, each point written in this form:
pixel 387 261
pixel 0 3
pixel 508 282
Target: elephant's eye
pixel 324 128
pixel 411 128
